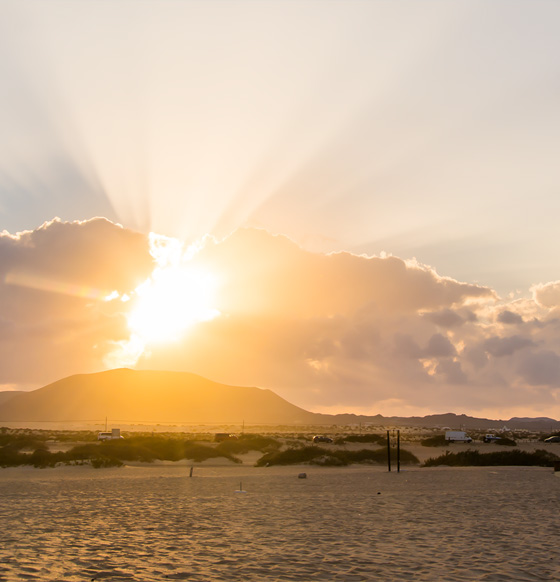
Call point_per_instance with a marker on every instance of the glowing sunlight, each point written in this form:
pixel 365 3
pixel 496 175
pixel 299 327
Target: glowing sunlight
pixel 175 297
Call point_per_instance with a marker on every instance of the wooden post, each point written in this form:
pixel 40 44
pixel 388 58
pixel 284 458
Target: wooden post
pixel 388 451
pixel 398 451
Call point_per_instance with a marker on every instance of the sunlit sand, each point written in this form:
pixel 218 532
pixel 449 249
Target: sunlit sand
pixel 155 522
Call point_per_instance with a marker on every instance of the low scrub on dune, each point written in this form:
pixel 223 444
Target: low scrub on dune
pixel 103 462
pixel 249 442
pixel 291 456
pixel 470 458
pixel 327 457
pixel 363 438
pixel 506 442
pixel 17 442
pixel 435 441
pixel 40 458
pixel 114 452
pixel 148 449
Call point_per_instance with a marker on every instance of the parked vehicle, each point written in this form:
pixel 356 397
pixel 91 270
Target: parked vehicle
pixel 322 439
pixel 552 439
pixel 490 438
pixel 457 436
pixel 109 436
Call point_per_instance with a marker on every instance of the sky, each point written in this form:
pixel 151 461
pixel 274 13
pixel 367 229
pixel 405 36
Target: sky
pixel 352 203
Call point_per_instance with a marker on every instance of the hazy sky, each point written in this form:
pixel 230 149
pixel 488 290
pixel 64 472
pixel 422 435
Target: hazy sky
pixel 429 131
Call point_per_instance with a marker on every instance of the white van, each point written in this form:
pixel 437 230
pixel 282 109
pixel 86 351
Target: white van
pixel 109 436
pixel 457 436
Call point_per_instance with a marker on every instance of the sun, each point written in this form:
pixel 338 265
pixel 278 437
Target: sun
pixel 171 302
pixel 175 297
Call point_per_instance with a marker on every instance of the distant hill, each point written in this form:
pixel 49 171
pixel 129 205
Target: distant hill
pixel 179 397
pixel 451 420
pixel 150 396
pixel 8 394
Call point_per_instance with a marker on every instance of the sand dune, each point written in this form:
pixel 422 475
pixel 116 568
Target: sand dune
pixel 351 524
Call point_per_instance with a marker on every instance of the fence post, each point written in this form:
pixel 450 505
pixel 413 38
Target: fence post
pixel 398 451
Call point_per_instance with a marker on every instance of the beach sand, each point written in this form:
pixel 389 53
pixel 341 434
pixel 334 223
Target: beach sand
pixel 357 523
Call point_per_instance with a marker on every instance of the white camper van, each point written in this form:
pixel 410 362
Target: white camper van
pixel 457 436
pixel 109 436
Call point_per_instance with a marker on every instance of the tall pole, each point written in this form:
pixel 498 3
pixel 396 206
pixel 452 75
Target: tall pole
pixel 388 451
pixel 398 451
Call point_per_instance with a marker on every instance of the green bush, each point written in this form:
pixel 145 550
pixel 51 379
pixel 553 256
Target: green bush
pixel 42 458
pixel 10 457
pixel 366 438
pixel 291 456
pixel 319 455
pixel 112 453
pixel 248 443
pixel 435 441
pixel 22 441
pixel 378 456
pixel 103 462
pixel 328 460
pixel 505 442
pixel 472 458
pixel 128 450
pixel 198 453
pixel 83 452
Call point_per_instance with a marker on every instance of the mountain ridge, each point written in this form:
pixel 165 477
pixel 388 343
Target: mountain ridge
pixel 182 397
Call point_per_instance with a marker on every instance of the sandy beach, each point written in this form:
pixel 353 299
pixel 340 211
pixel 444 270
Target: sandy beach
pixel 144 523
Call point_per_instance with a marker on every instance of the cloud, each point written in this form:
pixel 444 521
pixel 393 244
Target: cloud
pixel 53 320
pixel 439 346
pixel 541 368
pixel 336 331
pixel 448 318
pixel 452 372
pixel 547 294
pixel 506 346
pixel 509 317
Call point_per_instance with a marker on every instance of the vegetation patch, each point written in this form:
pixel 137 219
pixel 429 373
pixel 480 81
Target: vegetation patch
pixel 112 453
pixel 435 441
pixel 291 456
pixel 363 438
pixel 103 462
pixel 321 456
pixel 470 458
pixel 505 441
pixel 249 442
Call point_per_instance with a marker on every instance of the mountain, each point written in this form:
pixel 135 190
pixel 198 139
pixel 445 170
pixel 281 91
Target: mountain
pixel 7 395
pixel 150 396
pixel 451 420
pixel 137 396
